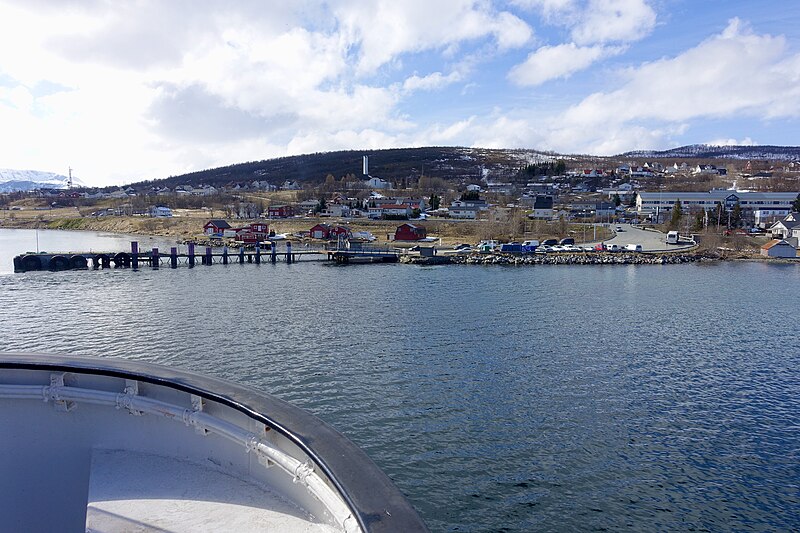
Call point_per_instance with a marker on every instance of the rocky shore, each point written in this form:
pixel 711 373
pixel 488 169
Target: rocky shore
pixel 560 259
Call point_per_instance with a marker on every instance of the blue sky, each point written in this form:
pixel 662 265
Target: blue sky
pixel 123 91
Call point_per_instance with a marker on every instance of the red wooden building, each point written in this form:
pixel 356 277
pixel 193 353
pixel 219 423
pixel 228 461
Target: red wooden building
pixel 410 232
pixel 339 231
pixel 215 227
pixel 255 232
pixel 280 211
pixel 320 231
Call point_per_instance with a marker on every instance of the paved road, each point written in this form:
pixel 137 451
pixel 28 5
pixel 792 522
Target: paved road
pixel 650 240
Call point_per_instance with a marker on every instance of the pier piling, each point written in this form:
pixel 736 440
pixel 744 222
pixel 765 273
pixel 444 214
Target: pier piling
pixel 173 257
pixel 154 261
pixel 191 254
pixel 135 254
pixel 241 255
pixel 208 256
pixel 224 255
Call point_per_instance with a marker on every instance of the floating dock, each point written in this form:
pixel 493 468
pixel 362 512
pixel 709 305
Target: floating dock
pixel 155 258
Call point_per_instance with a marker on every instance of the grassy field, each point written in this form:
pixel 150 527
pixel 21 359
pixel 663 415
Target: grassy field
pixel 188 224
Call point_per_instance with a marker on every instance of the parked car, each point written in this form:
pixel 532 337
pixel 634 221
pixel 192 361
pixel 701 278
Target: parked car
pixel 619 228
pixel 612 248
pixel 549 242
pixel 567 240
pixel 633 247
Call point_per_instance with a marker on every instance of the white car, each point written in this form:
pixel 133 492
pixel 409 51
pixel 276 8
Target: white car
pixel 633 247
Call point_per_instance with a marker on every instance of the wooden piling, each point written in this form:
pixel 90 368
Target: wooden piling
pixel 173 257
pixel 258 254
pixel 155 260
pixel 274 250
pixel 191 254
pixel 209 260
pixel 135 254
pixel 225 255
pixel 288 252
pixel 241 255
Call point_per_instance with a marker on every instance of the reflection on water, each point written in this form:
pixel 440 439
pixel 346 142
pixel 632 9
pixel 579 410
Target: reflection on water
pixel 537 398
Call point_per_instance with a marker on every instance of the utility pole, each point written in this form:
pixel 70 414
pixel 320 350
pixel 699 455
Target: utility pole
pixel 69 183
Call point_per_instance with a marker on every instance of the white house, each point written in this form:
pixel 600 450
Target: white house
pixel 460 209
pixel 160 211
pixel 377 183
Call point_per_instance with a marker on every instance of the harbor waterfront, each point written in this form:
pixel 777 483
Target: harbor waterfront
pixel 556 398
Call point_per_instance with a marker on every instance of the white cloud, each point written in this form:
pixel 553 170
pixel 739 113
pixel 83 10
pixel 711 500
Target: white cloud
pixel 747 141
pixel 551 62
pixel 606 21
pixel 382 30
pixel 734 73
pixel 431 82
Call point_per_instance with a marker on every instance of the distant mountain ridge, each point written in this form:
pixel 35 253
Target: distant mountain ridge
pixel 29 180
pixel 707 151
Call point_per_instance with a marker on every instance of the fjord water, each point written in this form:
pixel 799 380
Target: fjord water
pixel 546 398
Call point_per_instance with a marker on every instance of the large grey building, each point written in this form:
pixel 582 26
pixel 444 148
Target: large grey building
pixel 661 203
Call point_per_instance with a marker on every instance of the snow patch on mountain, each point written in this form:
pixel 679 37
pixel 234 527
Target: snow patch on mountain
pixel 707 151
pixel 28 180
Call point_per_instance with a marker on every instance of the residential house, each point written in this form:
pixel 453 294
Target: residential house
pixel 396 210
pixel 542 208
pixel 782 229
pixel 280 211
pixel 160 211
pixel 216 227
pixel 336 210
pixel 254 233
pixel 459 209
pixel 410 232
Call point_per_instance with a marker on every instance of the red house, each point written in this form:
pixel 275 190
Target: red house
pixel 320 231
pixel 255 232
pixel 337 231
pixel 410 232
pixel 280 211
pixel 215 227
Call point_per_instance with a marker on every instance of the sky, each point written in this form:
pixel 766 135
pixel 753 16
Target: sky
pixel 123 91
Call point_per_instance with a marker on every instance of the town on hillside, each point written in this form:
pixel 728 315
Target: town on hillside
pixel 750 202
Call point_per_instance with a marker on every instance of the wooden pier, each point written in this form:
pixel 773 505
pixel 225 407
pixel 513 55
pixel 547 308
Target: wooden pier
pixel 154 258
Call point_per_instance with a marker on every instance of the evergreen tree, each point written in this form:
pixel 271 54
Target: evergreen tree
pixel 796 204
pixel 677 213
pixel 736 216
pixel 699 219
pixel 435 201
pixel 617 200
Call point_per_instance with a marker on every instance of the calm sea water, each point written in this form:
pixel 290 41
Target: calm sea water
pixel 539 398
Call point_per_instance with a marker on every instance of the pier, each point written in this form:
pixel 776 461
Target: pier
pixel 207 256
pixel 155 258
